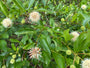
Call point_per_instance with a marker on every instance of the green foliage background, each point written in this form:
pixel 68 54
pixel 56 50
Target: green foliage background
pixel 50 34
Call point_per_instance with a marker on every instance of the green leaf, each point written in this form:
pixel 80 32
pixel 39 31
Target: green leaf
pixel 44 2
pixel 28 46
pixel 81 43
pixel 45 10
pixel 14 40
pixel 44 44
pixel 4 54
pixel 13 46
pixel 66 35
pixel 24 32
pixel 17 2
pixel 86 21
pixel 0 64
pixel 84 18
pixel 21 64
pixel 69 61
pixel 52 23
pixel 1 28
pixel 18 60
pixel 74 18
pixel 42 10
pixel 59 59
pixel 3 45
pixel 88 34
pixel 24 39
pixel 48 39
pixel 8 61
pixel 31 2
pixel 5 35
pixel 4 8
pixel 45 58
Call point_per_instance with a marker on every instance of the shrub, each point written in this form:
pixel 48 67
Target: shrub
pixel 44 33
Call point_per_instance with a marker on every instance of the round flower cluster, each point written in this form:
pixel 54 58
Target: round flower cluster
pixel 35 53
pixel 72 66
pixel 34 16
pixel 4 66
pixel 83 6
pixel 82 27
pixel 75 35
pixel 12 61
pixel 7 23
pixel 86 63
pixel 14 56
pixel 62 19
pixel 68 52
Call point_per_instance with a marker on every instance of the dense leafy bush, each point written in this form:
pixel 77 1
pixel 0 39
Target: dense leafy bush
pixel 44 34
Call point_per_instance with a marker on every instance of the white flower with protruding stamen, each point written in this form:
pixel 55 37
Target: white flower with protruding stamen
pixel 35 53
pixel 83 6
pixel 7 23
pixel 34 16
pixel 86 63
pixel 75 35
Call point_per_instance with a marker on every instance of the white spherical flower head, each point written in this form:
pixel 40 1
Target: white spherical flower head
pixel 35 53
pixel 4 66
pixel 7 23
pixel 34 16
pixel 75 35
pixel 83 6
pixel 86 63
pixel 12 61
pixel 14 56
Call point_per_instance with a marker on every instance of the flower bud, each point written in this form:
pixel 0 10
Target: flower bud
pixel 10 53
pixel 14 56
pixel 62 19
pixel 4 66
pixel 72 66
pixel 23 21
pixel 82 27
pixel 68 52
pixel 12 61
pixel 58 29
pixel 83 7
pixel 19 55
pixel 77 59
pixel 35 7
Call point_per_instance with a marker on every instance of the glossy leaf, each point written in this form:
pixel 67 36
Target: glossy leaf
pixel 14 40
pixel 31 2
pixel 19 4
pixel 29 46
pixel 4 8
pixel 24 32
pixel 67 35
pixel 44 2
pixel 44 44
pixel 59 59
pixel 3 45
pixel 81 43
pixel 13 46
